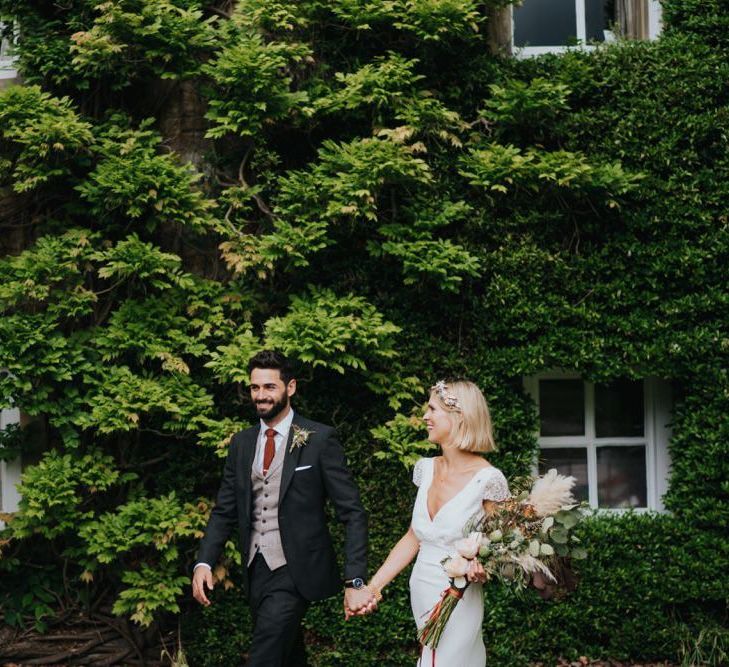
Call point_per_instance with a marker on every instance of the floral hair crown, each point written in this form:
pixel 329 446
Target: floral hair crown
pixel 449 400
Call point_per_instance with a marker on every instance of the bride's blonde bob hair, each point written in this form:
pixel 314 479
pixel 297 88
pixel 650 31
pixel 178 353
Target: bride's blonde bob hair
pixel 471 418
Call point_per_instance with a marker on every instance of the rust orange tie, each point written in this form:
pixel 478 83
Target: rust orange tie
pixel 270 451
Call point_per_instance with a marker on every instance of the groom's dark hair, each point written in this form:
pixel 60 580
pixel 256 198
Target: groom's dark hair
pixel 274 360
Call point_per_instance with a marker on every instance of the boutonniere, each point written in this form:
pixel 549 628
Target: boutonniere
pixel 301 437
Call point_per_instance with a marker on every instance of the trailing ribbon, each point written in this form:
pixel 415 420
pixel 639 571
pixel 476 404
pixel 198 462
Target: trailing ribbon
pixel 438 616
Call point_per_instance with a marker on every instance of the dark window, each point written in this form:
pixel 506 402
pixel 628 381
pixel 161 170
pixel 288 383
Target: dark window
pixel 7 39
pixel 619 409
pixel 599 16
pixel 561 407
pixel 568 461
pixel 621 477
pixel 554 22
pixel 545 23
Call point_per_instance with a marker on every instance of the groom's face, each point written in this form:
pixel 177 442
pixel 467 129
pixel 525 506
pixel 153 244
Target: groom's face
pixel 269 393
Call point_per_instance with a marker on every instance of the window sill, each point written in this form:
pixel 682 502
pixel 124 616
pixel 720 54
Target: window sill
pixel 523 52
pixel 601 512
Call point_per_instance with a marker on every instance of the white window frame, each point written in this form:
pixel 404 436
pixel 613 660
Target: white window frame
pixel 655 26
pixel 10 471
pixel 657 403
pixel 655 19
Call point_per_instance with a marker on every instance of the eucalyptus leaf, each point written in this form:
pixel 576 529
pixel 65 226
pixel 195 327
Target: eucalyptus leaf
pixel 546 550
pixel 559 535
pixel 561 550
pixel 568 518
pixel 534 548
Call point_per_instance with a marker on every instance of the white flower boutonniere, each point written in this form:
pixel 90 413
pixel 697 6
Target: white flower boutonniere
pixel 301 437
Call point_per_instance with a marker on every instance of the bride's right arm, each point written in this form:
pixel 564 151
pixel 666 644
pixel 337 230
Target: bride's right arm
pixel 399 558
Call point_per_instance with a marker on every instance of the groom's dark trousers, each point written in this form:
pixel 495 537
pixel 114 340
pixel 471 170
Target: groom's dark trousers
pixel 277 609
pixel 303 568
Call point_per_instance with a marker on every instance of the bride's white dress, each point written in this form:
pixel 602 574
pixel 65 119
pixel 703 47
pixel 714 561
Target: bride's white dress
pixel 461 644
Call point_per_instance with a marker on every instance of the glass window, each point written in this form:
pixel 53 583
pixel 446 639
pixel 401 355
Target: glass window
pixel 605 435
pixel 561 407
pixel 619 409
pixel 543 26
pixel 6 41
pixel 545 23
pixel 571 461
pixel 599 16
pixel 621 477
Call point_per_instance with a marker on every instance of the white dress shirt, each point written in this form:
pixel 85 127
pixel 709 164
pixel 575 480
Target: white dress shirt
pixel 282 435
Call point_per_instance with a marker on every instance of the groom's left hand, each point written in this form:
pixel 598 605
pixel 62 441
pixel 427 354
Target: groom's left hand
pixel 359 602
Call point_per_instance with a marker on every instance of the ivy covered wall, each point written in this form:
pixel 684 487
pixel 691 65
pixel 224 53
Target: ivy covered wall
pixel 366 187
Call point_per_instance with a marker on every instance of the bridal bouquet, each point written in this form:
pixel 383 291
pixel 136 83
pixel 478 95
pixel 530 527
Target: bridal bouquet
pixel 529 535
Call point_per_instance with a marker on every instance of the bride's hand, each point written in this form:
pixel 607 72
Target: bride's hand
pixel 365 611
pixel 367 607
pixel 476 573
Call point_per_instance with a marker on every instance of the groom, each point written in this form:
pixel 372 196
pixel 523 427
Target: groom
pixel 276 480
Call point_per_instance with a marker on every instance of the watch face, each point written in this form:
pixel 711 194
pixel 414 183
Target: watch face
pixel 358 583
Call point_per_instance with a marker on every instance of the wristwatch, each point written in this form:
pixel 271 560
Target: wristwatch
pixel 357 583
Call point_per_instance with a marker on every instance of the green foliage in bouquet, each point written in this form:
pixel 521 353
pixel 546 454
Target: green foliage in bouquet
pixel 376 193
pixel 515 529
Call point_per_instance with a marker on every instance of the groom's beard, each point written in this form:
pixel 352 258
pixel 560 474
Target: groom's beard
pixel 268 410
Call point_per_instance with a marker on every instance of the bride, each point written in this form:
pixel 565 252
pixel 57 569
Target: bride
pixel 451 489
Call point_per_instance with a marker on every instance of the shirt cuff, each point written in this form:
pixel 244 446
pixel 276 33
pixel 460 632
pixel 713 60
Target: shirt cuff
pixel 197 565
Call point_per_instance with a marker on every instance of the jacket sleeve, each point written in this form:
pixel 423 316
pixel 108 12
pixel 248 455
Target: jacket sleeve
pixel 343 492
pixel 224 515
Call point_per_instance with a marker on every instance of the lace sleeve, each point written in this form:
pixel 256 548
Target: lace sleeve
pixel 418 472
pixel 496 487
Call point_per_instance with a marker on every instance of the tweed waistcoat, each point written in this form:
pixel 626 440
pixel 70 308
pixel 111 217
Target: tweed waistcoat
pixel 265 535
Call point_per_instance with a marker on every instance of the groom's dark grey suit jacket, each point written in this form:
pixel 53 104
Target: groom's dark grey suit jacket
pixel 305 537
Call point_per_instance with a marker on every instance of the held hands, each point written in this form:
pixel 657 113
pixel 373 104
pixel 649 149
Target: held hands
pixel 201 577
pixel 360 602
pixel 476 573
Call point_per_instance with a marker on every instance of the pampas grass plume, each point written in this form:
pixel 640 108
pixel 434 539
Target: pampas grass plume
pixel 530 565
pixel 551 492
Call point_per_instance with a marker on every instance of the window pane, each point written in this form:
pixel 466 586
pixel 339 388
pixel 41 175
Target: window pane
pixel 561 407
pixel 621 480
pixel 568 461
pixel 6 41
pixel 545 23
pixel 619 409
pixel 599 17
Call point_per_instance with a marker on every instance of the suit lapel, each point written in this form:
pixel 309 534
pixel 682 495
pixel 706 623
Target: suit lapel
pixel 291 458
pixel 248 457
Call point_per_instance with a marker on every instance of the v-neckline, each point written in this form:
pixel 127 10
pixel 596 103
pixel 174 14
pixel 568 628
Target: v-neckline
pixel 451 499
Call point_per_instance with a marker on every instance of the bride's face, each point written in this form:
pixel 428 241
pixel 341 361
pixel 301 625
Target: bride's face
pixel 438 422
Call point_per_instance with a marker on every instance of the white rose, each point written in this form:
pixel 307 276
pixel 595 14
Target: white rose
pixel 468 547
pixel 456 566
